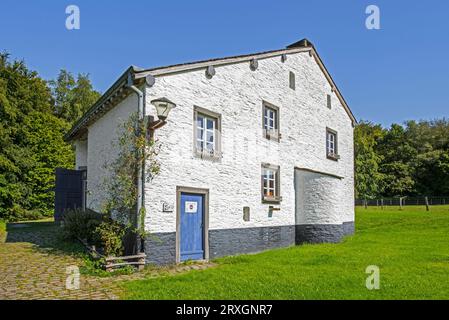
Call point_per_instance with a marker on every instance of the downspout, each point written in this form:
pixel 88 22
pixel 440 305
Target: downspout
pixel 141 174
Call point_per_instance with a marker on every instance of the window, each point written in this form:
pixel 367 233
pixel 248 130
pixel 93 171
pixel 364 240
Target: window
pixel 207 131
pixel 292 81
pixel 332 144
pixel 329 101
pixel 270 120
pixel 270 184
pixel 205 139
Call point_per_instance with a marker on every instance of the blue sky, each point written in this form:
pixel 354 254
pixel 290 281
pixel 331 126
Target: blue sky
pixel 390 75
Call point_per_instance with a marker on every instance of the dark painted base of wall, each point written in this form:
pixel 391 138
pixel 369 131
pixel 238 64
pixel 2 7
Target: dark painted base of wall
pixel 161 247
pixel 248 240
pixel 323 233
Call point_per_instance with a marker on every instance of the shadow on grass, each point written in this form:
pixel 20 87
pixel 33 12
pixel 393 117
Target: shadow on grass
pixel 45 236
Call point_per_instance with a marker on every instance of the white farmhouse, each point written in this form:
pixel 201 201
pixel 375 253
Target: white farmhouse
pixel 257 154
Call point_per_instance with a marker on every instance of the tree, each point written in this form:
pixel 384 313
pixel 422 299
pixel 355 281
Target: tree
pixel 84 96
pixel 412 159
pixel 426 136
pixel 72 97
pixel 62 91
pixel 43 134
pixel 432 174
pixel 31 144
pixel 367 175
pixel 399 162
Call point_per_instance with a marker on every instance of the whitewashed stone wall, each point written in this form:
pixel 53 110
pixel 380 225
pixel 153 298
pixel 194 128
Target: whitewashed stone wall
pixel 237 93
pixel 80 154
pixel 102 148
pixel 319 199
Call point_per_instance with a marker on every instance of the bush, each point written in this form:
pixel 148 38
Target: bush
pixel 109 236
pixel 16 213
pixel 97 229
pixel 80 224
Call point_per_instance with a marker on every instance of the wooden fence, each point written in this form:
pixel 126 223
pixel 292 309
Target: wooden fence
pixel 112 263
pixel 403 201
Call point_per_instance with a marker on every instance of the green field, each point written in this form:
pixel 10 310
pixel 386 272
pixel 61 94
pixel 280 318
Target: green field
pixel 411 248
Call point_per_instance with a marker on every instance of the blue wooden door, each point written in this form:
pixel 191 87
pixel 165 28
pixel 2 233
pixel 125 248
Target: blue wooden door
pixel 192 227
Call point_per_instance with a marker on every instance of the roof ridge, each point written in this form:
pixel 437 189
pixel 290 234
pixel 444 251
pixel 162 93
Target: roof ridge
pixel 118 89
pixel 304 43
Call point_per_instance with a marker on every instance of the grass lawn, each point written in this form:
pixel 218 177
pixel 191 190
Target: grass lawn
pixel 2 229
pixel 410 247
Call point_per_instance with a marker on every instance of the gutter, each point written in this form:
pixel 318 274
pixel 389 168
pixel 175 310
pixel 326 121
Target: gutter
pixel 141 112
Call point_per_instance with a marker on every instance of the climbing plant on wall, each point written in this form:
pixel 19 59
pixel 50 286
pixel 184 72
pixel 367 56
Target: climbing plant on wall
pixel 134 149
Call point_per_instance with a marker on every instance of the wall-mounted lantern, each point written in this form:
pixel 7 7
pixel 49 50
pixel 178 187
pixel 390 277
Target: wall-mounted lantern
pixel 163 107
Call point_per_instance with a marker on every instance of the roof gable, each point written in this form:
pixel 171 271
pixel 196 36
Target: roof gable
pixel 120 88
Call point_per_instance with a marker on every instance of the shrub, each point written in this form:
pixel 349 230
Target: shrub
pixel 109 236
pixel 97 229
pixel 80 224
pixel 16 213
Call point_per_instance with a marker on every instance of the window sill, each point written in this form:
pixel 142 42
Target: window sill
pixel 216 157
pixel 333 157
pixel 272 137
pixel 272 200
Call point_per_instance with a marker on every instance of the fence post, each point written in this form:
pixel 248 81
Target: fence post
pixel 427 203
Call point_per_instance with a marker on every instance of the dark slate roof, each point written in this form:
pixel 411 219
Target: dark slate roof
pixel 119 88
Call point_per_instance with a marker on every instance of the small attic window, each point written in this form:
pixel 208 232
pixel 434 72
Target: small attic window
pixel 292 81
pixel 329 101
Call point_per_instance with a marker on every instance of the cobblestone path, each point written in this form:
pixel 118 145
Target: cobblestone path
pixel 33 265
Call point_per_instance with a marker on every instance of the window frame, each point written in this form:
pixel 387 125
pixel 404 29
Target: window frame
pixel 216 117
pixel 292 80
pixel 270 136
pixel 277 183
pixel 329 101
pixel 332 156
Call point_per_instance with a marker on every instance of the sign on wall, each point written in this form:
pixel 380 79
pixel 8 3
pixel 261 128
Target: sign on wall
pixel 191 207
pixel 167 207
